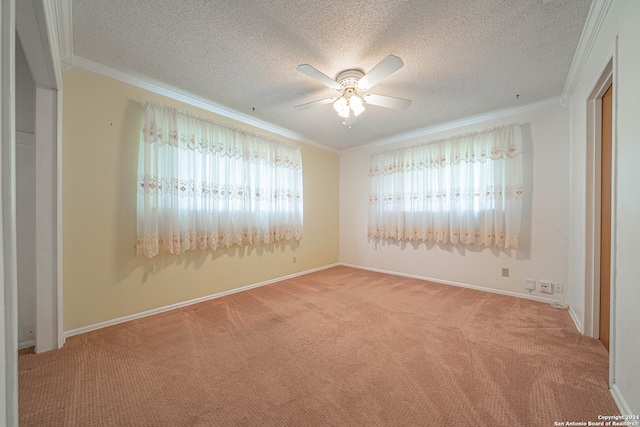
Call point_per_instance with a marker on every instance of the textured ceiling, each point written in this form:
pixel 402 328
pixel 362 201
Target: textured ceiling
pixel 462 57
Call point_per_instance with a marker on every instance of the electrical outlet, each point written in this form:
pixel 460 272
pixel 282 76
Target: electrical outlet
pixel 27 334
pixel 558 288
pixel 295 260
pixel 505 272
pixel 546 287
pixel 530 284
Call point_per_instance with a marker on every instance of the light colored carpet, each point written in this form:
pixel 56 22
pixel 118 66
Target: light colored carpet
pixel 340 347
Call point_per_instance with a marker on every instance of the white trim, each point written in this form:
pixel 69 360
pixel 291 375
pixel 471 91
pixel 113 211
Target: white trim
pixel 26 344
pixel 459 284
pixel 47 313
pixel 597 14
pixel 614 215
pixel 58 223
pixel 8 266
pixel 623 406
pixel 575 319
pixel 473 120
pixel 191 99
pixel 592 219
pixel 59 32
pixel 60 19
pixel 130 317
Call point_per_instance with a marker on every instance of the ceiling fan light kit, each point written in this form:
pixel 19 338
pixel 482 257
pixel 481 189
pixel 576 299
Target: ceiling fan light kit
pixel 350 104
pixel 352 84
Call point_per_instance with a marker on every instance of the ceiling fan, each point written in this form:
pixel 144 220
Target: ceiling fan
pixel 353 86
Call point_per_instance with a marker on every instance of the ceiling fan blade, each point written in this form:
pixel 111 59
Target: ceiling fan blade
pixel 303 107
pixel 387 101
pixel 317 75
pixel 384 69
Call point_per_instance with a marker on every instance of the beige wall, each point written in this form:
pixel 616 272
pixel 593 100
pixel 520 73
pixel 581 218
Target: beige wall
pixel 103 278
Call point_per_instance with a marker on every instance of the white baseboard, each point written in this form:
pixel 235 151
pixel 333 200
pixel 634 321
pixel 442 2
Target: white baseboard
pixel 459 284
pixel 575 319
pixel 151 312
pixel 624 407
pixel 26 344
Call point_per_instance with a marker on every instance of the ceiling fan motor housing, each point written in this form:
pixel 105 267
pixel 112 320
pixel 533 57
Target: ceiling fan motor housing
pixel 349 79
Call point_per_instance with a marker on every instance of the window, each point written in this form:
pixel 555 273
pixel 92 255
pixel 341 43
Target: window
pixel 202 185
pixel 466 189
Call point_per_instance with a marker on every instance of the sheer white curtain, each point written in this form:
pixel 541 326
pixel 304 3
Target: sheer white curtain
pixel 465 189
pixel 203 185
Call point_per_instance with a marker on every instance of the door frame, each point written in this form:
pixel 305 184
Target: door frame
pixel 38 26
pixel 8 269
pixel 45 40
pixel 594 149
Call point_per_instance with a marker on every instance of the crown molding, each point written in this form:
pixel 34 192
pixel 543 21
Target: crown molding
pixel 596 17
pixel 481 118
pixel 191 99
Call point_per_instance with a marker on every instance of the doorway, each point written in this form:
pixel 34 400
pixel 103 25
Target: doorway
pixel 35 26
pixel 600 256
pixel 605 215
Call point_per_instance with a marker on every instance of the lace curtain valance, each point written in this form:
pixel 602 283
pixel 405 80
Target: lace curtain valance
pixel 204 185
pixel 464 189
